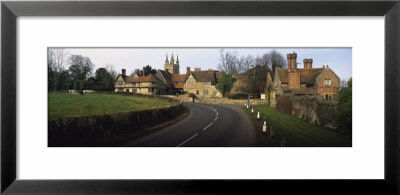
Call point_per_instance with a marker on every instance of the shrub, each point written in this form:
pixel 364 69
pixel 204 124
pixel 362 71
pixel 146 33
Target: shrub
pixel 344 108
pixel 96 130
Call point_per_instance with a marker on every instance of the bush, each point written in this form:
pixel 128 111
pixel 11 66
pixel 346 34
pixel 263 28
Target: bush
pixel 98 130
pixel 344 108
pixel 238 96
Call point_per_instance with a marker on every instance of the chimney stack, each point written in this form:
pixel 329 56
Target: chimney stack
pixel 289 61
pixel 124 72
pixel 197 69
pixel 294 61
pixel 308 63
pixel 187 69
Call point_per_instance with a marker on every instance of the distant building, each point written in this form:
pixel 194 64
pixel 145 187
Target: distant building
pixel 304 81
pixel 202 83
pixel 169 81
pixel 170 66
pixel 149 84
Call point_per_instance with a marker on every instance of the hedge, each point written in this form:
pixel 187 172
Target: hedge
pixel 107 129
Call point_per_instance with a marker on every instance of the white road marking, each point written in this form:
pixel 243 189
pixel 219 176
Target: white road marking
pixel 181 144
pixel 215 112
pixel 187 140
pixel 208 126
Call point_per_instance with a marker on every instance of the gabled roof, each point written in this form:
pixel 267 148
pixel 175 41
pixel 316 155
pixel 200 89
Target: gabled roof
pixel 178 78
pixel 203 76
pixel 307 76
pixel 122 76
pixel 166 75
pixel 148 78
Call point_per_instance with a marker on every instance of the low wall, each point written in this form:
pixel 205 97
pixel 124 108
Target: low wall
pixel 315 110
pixel 230 101
pixel 185 98
pixel 108 129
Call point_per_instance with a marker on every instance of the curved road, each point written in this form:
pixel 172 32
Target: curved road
pixel 207 125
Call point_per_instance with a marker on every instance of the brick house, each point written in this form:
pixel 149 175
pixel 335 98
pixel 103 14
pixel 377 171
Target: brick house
pixel 202 83
pixel 304 81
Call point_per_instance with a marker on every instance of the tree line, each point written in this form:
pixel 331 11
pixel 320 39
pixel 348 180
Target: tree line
pixel 254 68
pixel 66 72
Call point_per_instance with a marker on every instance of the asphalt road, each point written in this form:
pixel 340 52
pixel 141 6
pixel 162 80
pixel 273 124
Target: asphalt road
pixel 207 125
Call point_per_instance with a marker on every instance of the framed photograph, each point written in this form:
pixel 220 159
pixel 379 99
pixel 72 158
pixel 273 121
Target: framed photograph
pixel 199 97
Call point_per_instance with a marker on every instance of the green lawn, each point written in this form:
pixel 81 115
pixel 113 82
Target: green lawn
pixel 297 132
pixel 67 105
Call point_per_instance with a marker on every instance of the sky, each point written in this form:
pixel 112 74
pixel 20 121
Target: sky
pixel 338 59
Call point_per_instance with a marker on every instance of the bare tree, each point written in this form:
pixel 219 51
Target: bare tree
pixel 228 62
pixel 248 62
pixel 56 59
pixel 276 59
pixel 263 60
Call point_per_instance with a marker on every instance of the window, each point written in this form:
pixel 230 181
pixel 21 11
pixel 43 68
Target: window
pixel 205 92
pixel 273 95
pixel 127 90
pixel 328 82
pixel 197 92
pixel 178 82
pixel 119 82
pixel 205 83
pixel 134 90
pixel 150 89
pixel 328 96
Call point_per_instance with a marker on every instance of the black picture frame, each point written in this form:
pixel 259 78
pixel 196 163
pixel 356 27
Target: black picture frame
pixel 10 10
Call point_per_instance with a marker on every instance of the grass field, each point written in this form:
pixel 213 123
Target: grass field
pixel 297 132
pixel 67 105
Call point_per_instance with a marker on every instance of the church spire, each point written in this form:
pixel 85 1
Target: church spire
pixel 177 59
pixel 166 58
pixel 172 59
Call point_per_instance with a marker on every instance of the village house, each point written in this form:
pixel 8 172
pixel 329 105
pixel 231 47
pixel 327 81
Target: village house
pixel 149 85
pixel 304 81
pixel 202 83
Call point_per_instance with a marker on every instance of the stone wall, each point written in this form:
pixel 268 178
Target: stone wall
pixel 315 110
pixel 241 102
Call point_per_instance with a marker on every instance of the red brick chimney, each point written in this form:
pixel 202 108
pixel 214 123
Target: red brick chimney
pixel 187 69
pixel 289 61
pixel 308 63
pixel 294 61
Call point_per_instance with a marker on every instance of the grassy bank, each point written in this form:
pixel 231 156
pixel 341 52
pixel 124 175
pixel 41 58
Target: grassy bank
pixel 295 131
pixel 62 106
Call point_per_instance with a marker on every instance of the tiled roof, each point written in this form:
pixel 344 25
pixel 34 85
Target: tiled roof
pixel 204 76
pixel 166 75
pixel 148 78
pixel 178 78
pixel 307 76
